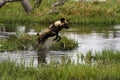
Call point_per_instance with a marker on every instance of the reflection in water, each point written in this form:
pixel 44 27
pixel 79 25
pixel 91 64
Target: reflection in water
pixel 41 57
pixel 16 30
pixel 27 58
pixel 20 30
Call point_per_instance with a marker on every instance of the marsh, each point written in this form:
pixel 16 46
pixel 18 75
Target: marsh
pixel 90 38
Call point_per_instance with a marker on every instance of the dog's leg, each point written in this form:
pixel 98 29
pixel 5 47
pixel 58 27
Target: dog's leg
pixel 56 37
pixel 40 41
pixel 38 46
pixel 59 38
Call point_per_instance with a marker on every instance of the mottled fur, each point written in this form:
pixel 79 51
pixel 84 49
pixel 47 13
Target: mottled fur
pixel 53 30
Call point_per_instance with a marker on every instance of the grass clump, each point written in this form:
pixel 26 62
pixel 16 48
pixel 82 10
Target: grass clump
pixel 105 57
pixel 64 44
pixel 26 41
pixel 13 43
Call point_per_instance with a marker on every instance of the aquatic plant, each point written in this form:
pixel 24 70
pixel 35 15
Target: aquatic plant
pixel 64 44
pixel 25 42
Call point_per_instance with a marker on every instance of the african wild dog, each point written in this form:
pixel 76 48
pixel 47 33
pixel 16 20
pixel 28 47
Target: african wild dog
pixel 52 30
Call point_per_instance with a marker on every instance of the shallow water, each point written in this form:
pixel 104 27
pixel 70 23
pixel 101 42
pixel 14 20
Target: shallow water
pixel 89 38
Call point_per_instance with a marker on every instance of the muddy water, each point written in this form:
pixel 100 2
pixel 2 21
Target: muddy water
pixel 89 38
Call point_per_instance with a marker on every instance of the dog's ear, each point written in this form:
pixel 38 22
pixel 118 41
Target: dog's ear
pixel 67 20
pixel 62 20
pixel 37 34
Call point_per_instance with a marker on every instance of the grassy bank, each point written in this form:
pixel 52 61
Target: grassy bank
pixel 78 12
pixel 108 69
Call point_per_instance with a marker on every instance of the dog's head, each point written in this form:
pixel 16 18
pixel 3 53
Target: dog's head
pixel 63 23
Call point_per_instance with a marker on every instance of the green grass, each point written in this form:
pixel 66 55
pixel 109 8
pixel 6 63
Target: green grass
pixel 80 72
pixel 11 71
pixel 83 13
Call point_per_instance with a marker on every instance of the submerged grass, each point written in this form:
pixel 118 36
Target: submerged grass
pixel 78 12
pixel 65 71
